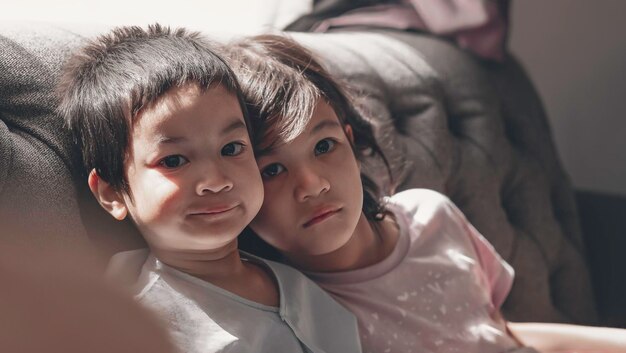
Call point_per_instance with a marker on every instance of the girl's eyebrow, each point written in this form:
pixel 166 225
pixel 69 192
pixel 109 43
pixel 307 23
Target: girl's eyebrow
pixel 265 152
pixel 325 124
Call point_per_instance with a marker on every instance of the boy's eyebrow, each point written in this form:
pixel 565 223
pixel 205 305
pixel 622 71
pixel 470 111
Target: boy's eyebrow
pixel 235 125
pixel 170 140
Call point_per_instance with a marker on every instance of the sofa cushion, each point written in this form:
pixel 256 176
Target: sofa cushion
pixel 43 191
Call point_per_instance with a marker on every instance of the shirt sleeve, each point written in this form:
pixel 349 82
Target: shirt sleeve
pixel 499 274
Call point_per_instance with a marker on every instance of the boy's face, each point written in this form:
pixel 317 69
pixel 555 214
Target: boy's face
pixel 191 170
pixel 313 192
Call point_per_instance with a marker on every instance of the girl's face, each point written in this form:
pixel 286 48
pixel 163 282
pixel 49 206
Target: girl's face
pixel 313 192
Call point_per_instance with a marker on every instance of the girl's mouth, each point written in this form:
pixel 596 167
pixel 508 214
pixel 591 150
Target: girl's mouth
pixel 321 216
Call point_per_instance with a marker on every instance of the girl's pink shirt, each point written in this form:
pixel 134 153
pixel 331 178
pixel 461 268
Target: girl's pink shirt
pixel 438 291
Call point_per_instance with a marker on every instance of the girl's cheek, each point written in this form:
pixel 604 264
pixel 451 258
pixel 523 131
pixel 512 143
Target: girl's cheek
pixel 269 202
pixel 273 205
pixel 274 187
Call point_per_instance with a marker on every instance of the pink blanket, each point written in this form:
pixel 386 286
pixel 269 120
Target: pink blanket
pixel 477 25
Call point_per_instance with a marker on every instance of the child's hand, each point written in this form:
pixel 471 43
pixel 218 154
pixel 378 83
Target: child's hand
pixel 563 338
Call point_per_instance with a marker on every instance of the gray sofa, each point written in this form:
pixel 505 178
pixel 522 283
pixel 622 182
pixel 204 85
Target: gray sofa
pixel 473 130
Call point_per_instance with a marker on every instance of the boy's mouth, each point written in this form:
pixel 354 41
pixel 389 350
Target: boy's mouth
pixel 322 215
pixel 213 211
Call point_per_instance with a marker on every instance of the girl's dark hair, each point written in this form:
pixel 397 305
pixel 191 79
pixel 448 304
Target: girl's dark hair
pixel 105 85
pixel 281 82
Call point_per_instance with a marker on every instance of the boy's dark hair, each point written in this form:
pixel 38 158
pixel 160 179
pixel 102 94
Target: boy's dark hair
pixel 105 85
pixel 281 82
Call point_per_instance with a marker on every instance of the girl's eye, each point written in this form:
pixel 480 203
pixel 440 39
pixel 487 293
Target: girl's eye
pixel 324 146
pixel 272 170
pixel 232 149
pixel 174 161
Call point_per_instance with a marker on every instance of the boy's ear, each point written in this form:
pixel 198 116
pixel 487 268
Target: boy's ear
pixel 348 129
pixel 110 199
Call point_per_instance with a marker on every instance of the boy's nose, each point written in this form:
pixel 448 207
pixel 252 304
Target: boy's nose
pixel 310 185
pixel 213 181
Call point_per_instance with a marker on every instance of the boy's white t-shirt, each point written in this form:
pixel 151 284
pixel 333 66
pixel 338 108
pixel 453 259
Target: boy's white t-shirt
pixel 438 291
pixel 203 318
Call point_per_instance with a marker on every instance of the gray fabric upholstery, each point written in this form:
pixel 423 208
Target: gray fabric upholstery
pixel 476 132
pixel 472 130
pixel 35 149
pixel 44 200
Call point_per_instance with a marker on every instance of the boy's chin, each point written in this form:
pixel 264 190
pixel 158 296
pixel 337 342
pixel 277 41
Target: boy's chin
pixel 196 244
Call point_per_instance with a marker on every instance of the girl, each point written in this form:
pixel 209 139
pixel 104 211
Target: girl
pixel 412 269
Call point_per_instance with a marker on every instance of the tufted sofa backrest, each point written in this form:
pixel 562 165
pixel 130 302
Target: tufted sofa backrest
pixel 44 199
pixel 477 132
pixel 472 130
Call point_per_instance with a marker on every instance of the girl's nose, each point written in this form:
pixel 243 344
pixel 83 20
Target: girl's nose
pixel 310 184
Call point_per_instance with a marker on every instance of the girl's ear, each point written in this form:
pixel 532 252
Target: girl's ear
pixel 110 199
pixel 348 129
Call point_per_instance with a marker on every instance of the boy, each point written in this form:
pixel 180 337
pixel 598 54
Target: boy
pixel 164 134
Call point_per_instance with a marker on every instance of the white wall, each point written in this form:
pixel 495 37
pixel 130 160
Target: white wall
pixel 218 17
pixel 575 53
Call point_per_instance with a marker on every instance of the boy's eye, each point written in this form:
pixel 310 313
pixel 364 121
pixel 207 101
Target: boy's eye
pixel 324 146
pixel 232 149
pixel 174 161
pixel 272 170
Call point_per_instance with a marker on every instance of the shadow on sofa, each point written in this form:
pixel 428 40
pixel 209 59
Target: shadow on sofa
pixel 603 220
